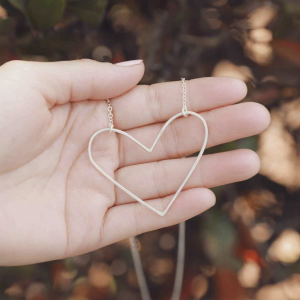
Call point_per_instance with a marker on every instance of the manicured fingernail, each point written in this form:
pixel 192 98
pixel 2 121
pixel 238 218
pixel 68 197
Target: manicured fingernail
pixel 129 62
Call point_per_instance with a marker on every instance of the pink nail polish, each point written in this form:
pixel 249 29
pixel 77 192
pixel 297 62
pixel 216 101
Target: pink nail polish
pixel 129 62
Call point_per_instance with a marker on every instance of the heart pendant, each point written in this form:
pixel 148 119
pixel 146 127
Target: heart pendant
pixel 161 213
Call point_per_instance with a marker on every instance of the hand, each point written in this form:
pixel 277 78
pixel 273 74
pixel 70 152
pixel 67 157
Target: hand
pixel 55 204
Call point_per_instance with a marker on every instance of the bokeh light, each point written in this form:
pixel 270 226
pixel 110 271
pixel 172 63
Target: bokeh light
pixel 249 275
pixel 199 287
pixel 247 246
pixel 286 248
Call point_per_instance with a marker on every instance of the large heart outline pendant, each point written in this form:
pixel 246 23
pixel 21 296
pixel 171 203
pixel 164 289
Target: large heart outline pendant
pixel 161 213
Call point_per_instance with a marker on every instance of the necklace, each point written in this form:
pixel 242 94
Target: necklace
pixel 181 244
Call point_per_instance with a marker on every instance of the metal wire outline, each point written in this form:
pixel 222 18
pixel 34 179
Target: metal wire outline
pixel 161 213
pixel 133 242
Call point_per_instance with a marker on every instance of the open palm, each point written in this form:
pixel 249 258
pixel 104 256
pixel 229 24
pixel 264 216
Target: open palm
pixel 55 204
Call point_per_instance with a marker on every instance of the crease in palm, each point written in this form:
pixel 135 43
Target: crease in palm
pixel 54 202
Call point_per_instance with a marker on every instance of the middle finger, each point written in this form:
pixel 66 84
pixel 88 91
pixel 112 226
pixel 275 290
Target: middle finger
pixel 184 136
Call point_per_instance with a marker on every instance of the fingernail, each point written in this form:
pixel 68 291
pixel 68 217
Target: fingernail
pixel 129 62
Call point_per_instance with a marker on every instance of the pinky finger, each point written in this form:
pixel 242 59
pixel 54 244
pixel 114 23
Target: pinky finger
pixel 128 220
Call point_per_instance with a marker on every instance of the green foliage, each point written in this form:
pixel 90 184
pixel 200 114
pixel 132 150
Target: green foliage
pixel 6 26
pixel 220 237
pixel 19 4
pixel 181 38
pixel 45 13
pixel 90 11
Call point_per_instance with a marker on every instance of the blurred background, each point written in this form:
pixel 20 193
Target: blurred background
pixel 248 246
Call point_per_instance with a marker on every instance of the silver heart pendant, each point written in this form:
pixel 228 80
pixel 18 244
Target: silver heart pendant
pixel 161 213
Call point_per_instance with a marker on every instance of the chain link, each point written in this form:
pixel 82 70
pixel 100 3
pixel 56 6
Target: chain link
pixel 184 105
pixel 133 241
pixel 110 115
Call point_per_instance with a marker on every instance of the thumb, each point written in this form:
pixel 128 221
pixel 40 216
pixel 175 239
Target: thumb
pixel 60 82
pixel 26 127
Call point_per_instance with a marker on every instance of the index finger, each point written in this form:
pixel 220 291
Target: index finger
pixel 156 103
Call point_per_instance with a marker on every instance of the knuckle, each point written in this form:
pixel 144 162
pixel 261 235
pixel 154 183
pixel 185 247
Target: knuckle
pixel 121 149
pixel 116 189
pixel 175 139
pixel 159 174
pixel 153 102
pixel 171 142
pixel 138 216
pixel 165 145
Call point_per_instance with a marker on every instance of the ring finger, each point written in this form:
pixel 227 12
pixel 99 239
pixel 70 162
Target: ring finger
pixel 160 179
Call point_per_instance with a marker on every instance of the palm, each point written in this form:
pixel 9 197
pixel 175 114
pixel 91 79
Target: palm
pixel 54 202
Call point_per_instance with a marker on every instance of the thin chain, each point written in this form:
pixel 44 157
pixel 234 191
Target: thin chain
pixel 180 263
pixel 110 115
pixel 181 243
pixel 139 269
pixel 184 105
pixel 179 266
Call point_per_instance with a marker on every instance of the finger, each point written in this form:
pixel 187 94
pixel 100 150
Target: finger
pixel 184 136
pixel 132 219
pixel 60 82
pixel 156 103
pixel 159 179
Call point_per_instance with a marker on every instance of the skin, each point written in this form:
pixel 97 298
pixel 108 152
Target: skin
pixel 55 204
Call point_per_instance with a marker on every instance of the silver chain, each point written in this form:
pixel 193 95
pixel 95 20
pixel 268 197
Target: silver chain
pixel 110 115
pixel 184 105
pixel 181 243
